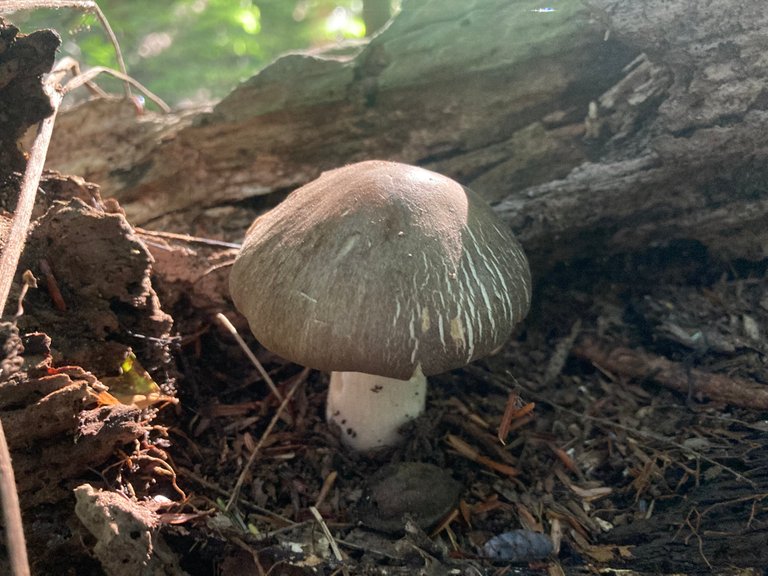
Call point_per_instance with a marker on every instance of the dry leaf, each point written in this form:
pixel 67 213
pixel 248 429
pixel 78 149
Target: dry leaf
pixel 134 386
pixel 471 453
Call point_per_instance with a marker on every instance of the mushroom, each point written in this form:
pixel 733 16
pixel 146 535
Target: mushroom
pixel 382 274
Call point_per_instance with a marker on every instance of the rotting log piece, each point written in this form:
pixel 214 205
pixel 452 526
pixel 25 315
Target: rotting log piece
pixel 698 384
pixel 95 297
pixel 94 305
pixel 57 433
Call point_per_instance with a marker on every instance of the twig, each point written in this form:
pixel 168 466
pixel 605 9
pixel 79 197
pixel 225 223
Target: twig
pixel 85 5
pixel 251 356
pixel 254 555
pixel 115 45
pixel 331 540
pixel 514 410
pixel 91 73
pixel 241 479
pixel 288 523
pixel 367 549
pixel 470 453
pixel 164 469
pixel 17 550
pixel 187 238
pixel 53 286
pixel 214 268
pixel 328 483
pixel 694 532
pixel 9 259
pixel 28 281
pixel 72 66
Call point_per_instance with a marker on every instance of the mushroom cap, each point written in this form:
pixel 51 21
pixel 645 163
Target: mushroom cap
pixel 382 268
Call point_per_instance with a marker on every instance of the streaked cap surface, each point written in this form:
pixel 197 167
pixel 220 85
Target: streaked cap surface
pixel 381 267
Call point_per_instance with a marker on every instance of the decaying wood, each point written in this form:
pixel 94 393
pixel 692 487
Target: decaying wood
pixel 682 130
pixel 697 383
pixel 713 526
pixel 454 110
pixel 57 428
pixel 110 303
pixel 102 270
pixel 589 142
pixel 599 128
pixel 126 533
pixel 94 304
pixel 23 102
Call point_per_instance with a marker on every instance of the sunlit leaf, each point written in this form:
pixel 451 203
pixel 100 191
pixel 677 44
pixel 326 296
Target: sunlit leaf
pixel 134 386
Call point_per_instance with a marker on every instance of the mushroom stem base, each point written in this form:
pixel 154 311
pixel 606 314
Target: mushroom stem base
pixel 370 409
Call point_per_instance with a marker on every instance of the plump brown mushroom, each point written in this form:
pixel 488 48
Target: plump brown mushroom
pixel 380 273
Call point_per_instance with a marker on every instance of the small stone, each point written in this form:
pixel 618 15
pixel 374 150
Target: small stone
pixel 423 492
pixel 518 546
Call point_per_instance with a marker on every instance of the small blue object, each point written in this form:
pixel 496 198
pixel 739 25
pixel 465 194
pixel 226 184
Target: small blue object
pixel 543 10
pixel 518 546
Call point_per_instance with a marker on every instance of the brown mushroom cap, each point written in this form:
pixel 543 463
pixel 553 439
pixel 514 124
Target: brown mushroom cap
pixel 381 267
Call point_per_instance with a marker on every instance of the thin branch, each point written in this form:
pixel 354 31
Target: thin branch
pixel 639 364
pixel 287 522
pixel 251 356
pixel 241 479
pixel 9 259
pixel 187 238
pixel 116 45
pixel 327 533
pixel 17 550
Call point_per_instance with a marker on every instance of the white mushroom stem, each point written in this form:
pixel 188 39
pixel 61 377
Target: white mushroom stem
pixel 370 409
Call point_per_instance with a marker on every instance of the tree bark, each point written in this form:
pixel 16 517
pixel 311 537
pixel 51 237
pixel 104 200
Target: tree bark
pixel 596 128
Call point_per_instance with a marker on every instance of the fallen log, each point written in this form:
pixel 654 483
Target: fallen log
pixel 596 128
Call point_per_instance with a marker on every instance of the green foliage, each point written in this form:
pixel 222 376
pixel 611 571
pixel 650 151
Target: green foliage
pixel 198 49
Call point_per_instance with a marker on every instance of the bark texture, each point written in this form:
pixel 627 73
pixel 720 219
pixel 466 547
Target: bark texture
pixel 596 128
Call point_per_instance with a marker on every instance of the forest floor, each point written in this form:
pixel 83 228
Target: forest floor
pixel 625 420
pixel 631 458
